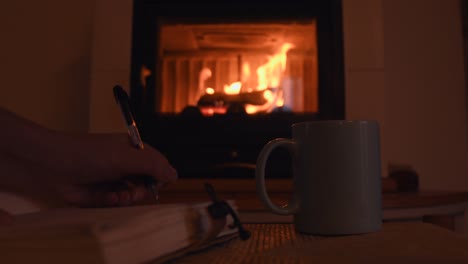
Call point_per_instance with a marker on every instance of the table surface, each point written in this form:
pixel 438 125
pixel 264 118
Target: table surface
pixel 244 192
pixel 438 207
pixel 395 243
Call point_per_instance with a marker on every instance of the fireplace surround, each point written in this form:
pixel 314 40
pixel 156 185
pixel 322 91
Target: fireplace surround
pixel 226 144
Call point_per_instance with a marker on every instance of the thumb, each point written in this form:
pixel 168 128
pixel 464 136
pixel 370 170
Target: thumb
pixel 5 217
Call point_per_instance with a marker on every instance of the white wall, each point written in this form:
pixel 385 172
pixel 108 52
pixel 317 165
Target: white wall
pixel 425 90
pixel 45 59
pixel 404 67
pixel 111 63
pixel 364 66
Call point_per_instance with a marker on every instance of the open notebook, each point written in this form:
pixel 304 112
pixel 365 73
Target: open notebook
pixel 139 234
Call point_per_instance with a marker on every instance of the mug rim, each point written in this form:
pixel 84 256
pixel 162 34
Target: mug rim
pixel 335 122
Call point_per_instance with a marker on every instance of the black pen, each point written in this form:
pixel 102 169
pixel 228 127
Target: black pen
pixel 123 101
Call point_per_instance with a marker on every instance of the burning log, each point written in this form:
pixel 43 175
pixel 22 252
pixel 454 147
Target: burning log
pixel 253 98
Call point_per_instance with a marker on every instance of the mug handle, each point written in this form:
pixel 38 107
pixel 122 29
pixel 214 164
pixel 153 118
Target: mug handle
pixel 292 206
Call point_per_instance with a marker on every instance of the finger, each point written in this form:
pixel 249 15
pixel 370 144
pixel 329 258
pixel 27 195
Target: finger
pixel 139 193
pixel 137 187
pixel 87 197
pixel 111 199
pixel 164 175
pixel 157 165
pixel 161 185
pixel 125 198
pixel 5 217
pixel 108 194
pixel 100 199
pixel 170 174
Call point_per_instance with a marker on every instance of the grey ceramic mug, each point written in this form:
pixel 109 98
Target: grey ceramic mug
pixel 336 174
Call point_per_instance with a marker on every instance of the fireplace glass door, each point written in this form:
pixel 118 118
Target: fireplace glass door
pixel 249 68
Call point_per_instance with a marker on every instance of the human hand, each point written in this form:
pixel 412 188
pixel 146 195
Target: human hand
pixel 94 165
pixel 81 169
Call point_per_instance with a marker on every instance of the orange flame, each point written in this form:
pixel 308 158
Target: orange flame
pixel 269 77
pixel 233 88
pixel 209 90
pixel 270 73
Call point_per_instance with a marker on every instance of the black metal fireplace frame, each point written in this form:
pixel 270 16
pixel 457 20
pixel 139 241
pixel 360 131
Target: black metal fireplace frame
pixel 199 146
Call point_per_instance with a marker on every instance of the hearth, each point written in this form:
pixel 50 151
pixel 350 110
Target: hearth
pixel 212 83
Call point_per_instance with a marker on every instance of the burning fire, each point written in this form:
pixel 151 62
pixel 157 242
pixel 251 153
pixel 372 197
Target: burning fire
pixel 210 90
pixel 269 77
pixel 233 88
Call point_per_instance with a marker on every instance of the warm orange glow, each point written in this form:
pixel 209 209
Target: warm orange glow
pixel 233 88
pixel 280 101
pixel 209 90
pixel 209 111
pixel 144 74
pixel 268 95
pixel 205 74
pixel 269 76
pixel 245 72
pixel 250 109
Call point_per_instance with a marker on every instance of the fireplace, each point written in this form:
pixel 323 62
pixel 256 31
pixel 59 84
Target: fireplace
pixel 212 83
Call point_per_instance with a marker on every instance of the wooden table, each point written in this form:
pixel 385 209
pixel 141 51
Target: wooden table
pixel 438 207
pixel 395 243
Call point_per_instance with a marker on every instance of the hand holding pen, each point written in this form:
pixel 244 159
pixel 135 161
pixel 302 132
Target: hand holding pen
pixel 122 99
pixel 79 169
